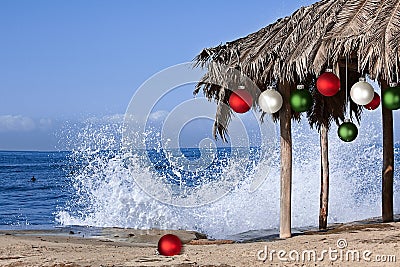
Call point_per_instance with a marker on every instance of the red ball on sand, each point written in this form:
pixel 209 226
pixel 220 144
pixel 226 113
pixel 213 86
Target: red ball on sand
pixel 374 104
pixel 328 84
pixel 240 101
pixel 169 245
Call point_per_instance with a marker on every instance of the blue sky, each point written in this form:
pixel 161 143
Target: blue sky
pixel 69 60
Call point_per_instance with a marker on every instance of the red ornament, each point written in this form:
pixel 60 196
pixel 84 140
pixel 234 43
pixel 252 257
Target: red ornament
pixel 374 104
pixel 240 100
pixel 328 84
pixel 169 245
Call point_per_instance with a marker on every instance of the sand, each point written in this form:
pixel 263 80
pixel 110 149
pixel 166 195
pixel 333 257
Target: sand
pixel 370 241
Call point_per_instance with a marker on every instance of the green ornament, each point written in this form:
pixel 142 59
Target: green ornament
pixel 301 100
pixel 347 131
pixel 391 98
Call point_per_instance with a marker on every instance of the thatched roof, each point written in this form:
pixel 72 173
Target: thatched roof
pixel 299 47
pixel 301 43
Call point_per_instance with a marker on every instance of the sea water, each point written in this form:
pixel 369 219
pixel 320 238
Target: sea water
pixel 91 185
pixel 32 204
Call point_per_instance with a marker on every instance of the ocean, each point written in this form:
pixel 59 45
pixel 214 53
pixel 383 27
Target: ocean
pixel 97 184
pixel 26 204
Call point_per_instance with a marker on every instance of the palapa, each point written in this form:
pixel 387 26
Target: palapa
pixel 298 48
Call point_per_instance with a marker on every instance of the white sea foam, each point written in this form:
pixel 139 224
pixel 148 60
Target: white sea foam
pixel 106 193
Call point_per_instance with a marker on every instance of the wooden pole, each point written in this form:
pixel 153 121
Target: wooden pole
pixel 388 161
pixel 324 195
pixel 285 115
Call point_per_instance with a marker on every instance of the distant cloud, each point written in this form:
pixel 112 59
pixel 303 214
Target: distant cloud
pixel 19 123
pixel 16 123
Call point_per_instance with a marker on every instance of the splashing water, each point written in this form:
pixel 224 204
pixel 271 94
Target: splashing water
pixel 106 193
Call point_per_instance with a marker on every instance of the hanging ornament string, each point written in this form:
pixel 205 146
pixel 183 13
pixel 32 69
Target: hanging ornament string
pixel 347 131
pixel 329 58
pixel 270 78
pixel 239 66
pixel 347 106
pixel 240 100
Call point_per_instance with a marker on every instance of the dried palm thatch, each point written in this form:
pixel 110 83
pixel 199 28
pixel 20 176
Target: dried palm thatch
pixel 299 47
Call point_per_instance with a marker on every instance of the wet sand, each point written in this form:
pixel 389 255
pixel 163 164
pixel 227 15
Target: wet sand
pixel 365 243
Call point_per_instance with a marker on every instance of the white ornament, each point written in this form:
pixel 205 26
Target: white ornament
pixel 362 92
pixel 270 101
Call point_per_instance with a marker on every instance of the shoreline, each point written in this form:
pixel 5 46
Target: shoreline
pixel 129 247
pixel 108 232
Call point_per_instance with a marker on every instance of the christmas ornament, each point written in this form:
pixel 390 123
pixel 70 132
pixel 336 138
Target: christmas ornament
pixel 169 245
pixel 301 100
pixel 374 104
pixel 391 97
pixel 347 131
pixel 328 84
pixel 270 101
pixel 362 92
pixel 240 100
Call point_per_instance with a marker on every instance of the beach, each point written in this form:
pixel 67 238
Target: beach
pixel 38 222
pixel 366 243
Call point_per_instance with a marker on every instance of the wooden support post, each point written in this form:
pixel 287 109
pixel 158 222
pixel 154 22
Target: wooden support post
pixel 388 162
pixel 285 115
pixel 324 195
